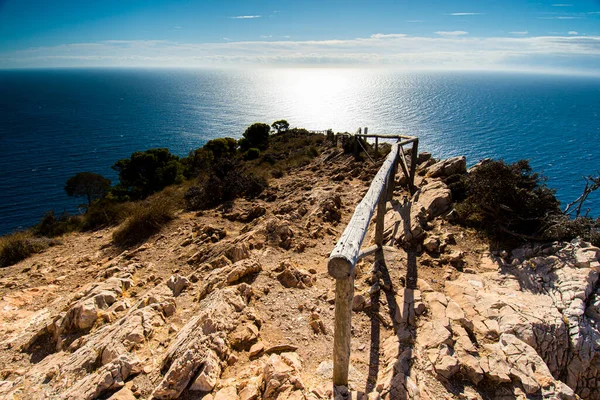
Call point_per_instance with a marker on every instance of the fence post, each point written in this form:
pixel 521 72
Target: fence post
pixel 344 292
pixel 391 183
pixel 413 164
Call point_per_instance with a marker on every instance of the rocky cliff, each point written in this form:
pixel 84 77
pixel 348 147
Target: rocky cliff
pixel 236 303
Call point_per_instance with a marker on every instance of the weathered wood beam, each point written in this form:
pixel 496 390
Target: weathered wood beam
pixel 345 254
pixel 344 292
pixel 413 164
pixel 368 251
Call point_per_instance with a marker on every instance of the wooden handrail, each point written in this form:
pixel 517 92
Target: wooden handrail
pixel 347 251
pixel 345 254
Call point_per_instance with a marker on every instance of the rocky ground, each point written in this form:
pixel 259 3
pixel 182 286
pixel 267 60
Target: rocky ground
pixel 236 303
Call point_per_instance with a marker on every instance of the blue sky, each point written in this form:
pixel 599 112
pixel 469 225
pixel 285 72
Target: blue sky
pixel 412 34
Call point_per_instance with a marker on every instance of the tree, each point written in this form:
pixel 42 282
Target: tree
pixel 281 126
pixel 147 172
pixel 257 135
pixel 222 147
pixel 89 185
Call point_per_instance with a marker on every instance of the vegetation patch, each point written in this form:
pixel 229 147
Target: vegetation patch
pixel 20 245
pixel 146 219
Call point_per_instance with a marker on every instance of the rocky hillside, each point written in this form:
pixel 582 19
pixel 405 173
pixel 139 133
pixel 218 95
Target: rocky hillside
pixel 236 303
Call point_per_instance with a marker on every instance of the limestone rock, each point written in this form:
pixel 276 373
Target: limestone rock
pixel 292 277
pixel 228 275
pixel 447 366
pixel 432 334
pixel 227 393
pixel 177 284
pixel 209 373
pixel 123 394
pixel 435 198
pixel 200 339
pixel 448 167
pixel 281 375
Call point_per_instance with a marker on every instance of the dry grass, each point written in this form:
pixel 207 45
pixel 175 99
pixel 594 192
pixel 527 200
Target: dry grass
pixel 20 245
pixel 147 218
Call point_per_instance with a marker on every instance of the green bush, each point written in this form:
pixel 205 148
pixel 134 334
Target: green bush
pixel 105 213
pixel 564 228
pixel 198 161
pixel 225 183
pixel 222 147
pixel 244 144
pixel 257 135
pixel 20 245
pixel 506 200
pixel 252 154
pixel 51 226
pixel 147 172
pixel 146 219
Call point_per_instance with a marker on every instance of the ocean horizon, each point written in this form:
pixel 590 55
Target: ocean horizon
pixel 57 122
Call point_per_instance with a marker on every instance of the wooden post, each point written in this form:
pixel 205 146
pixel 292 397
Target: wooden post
pixel 413 164
pixel 379 219
pixel 344 293
pixel 376 146
pixel 392 180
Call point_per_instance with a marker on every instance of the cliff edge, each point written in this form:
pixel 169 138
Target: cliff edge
pixel 236 303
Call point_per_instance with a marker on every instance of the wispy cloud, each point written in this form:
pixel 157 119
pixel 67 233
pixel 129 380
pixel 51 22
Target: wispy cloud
pixel 387 35
pixel 415 21
pixel 573 33
pixel 245 17
pixel 520 32
pixel 446 51
pixel 451 33
pixel 562 17
pixel 266 36
pixel 562 5
pixel 460 14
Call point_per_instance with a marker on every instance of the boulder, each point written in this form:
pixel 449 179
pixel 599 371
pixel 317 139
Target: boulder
pixel 448 167
pixel 435 198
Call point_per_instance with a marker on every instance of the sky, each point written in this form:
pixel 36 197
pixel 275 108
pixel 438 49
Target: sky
pixel 507 34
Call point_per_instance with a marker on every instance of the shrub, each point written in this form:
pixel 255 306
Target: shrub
pixel 507 200
pixel 257 135
pixel 222 147
pixel 104 213
pixel 225 183
pixel 147 172
pixel 147 218
pixel 52 226
pixel 198 161
pixel 20 245
pixel 244 144
pixel 252 154
pixel 562 227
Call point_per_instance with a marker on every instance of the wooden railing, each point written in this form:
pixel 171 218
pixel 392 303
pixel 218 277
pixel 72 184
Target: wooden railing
pixel 347 251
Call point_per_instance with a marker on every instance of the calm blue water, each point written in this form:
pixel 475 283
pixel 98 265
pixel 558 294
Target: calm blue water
pixel 54 123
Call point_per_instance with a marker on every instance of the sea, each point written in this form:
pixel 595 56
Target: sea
pixel 55 123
